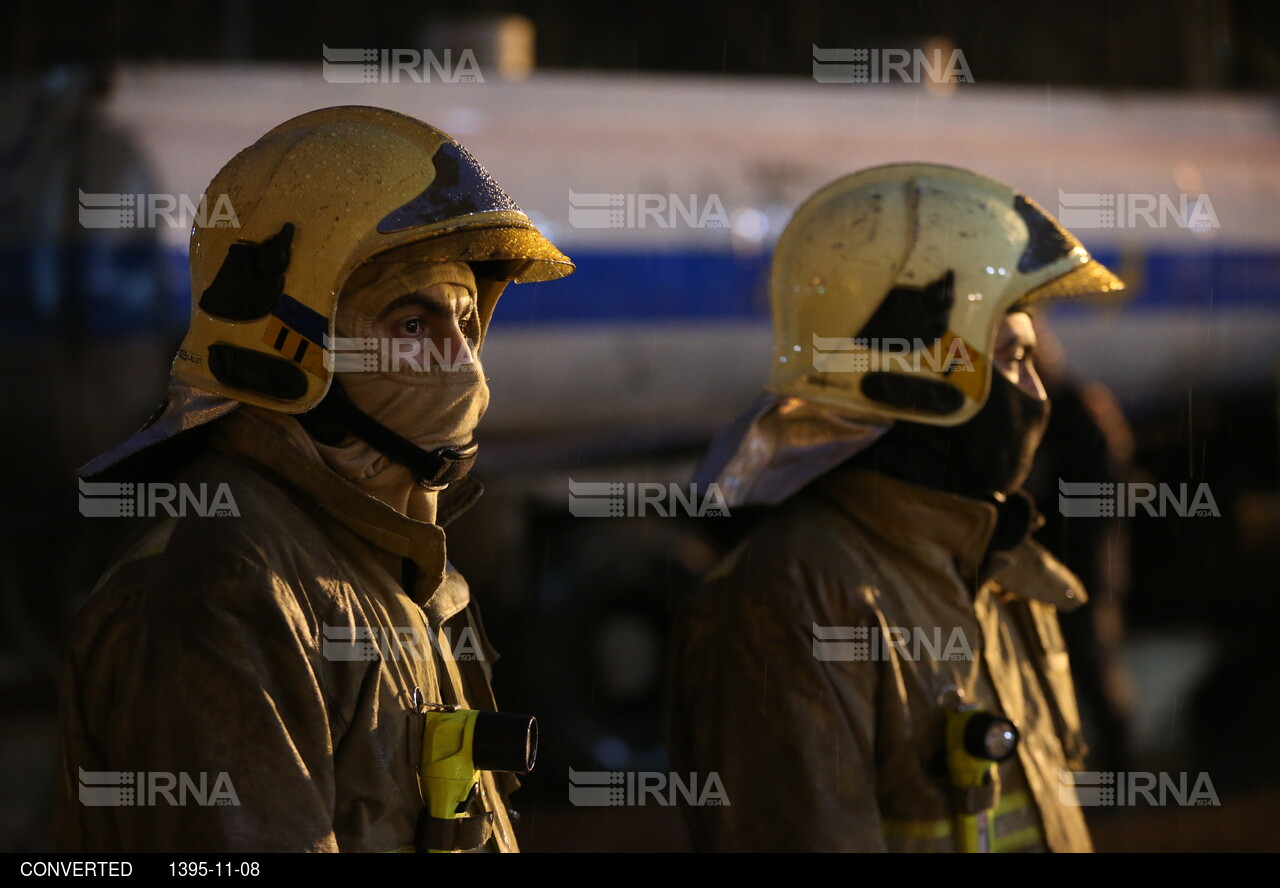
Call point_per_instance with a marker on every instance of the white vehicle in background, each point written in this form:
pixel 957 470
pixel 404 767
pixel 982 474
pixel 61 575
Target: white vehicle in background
pixel 668 192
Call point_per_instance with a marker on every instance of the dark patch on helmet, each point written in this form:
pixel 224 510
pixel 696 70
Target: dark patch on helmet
pixel 1047 241
pixel 461 188
pixel 913 314
pixel 497 269
pixel 251 279
pixel 912 393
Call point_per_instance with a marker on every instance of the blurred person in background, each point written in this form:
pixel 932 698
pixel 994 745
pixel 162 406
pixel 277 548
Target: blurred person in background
pixel 244 651
pixel 878 665
pixel 1088 439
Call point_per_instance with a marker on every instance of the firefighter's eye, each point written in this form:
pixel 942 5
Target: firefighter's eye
pixel 413 327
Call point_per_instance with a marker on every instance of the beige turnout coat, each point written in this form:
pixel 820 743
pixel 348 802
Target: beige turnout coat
pixel 277 652
pixel 823 745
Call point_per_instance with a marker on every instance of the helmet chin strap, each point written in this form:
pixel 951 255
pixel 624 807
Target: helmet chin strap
pixel 335 417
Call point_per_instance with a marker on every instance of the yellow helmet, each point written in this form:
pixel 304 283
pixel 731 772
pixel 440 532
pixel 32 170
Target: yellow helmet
pixel 894 280
pixel 313 199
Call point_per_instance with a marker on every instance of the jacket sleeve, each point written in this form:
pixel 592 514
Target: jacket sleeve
pixel 790 736
pixel 208 685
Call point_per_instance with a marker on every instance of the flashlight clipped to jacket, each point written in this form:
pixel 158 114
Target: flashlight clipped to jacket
pixel 457 744
pixel 977 741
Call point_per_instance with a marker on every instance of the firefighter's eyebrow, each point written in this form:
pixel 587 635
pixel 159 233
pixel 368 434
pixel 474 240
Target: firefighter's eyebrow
pixel 433 303
pixel 1013 338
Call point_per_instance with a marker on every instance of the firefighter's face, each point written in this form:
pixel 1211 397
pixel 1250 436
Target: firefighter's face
pixel 1014 354
pixel 440 323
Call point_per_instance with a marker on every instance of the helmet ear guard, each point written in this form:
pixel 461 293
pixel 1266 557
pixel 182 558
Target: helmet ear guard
pixel 249 286
pixel 254 371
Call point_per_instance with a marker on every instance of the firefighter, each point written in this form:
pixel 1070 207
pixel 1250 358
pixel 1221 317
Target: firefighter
pixel 271 663
pixel 877 665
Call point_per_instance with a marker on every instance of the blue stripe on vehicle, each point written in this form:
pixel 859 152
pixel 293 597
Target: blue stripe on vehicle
pixel 711 286
pixel 125 292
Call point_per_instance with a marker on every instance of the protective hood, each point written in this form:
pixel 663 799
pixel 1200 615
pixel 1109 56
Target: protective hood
pixel 431 397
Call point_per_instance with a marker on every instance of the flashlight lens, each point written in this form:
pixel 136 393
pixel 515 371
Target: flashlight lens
pixel 1000 741
pixel 504 741
pixel 991 737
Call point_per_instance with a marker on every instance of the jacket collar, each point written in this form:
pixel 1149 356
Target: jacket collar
pixel 271 444
pixel 941 528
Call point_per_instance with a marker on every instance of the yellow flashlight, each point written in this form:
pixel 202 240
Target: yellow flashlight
pixel 457 744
